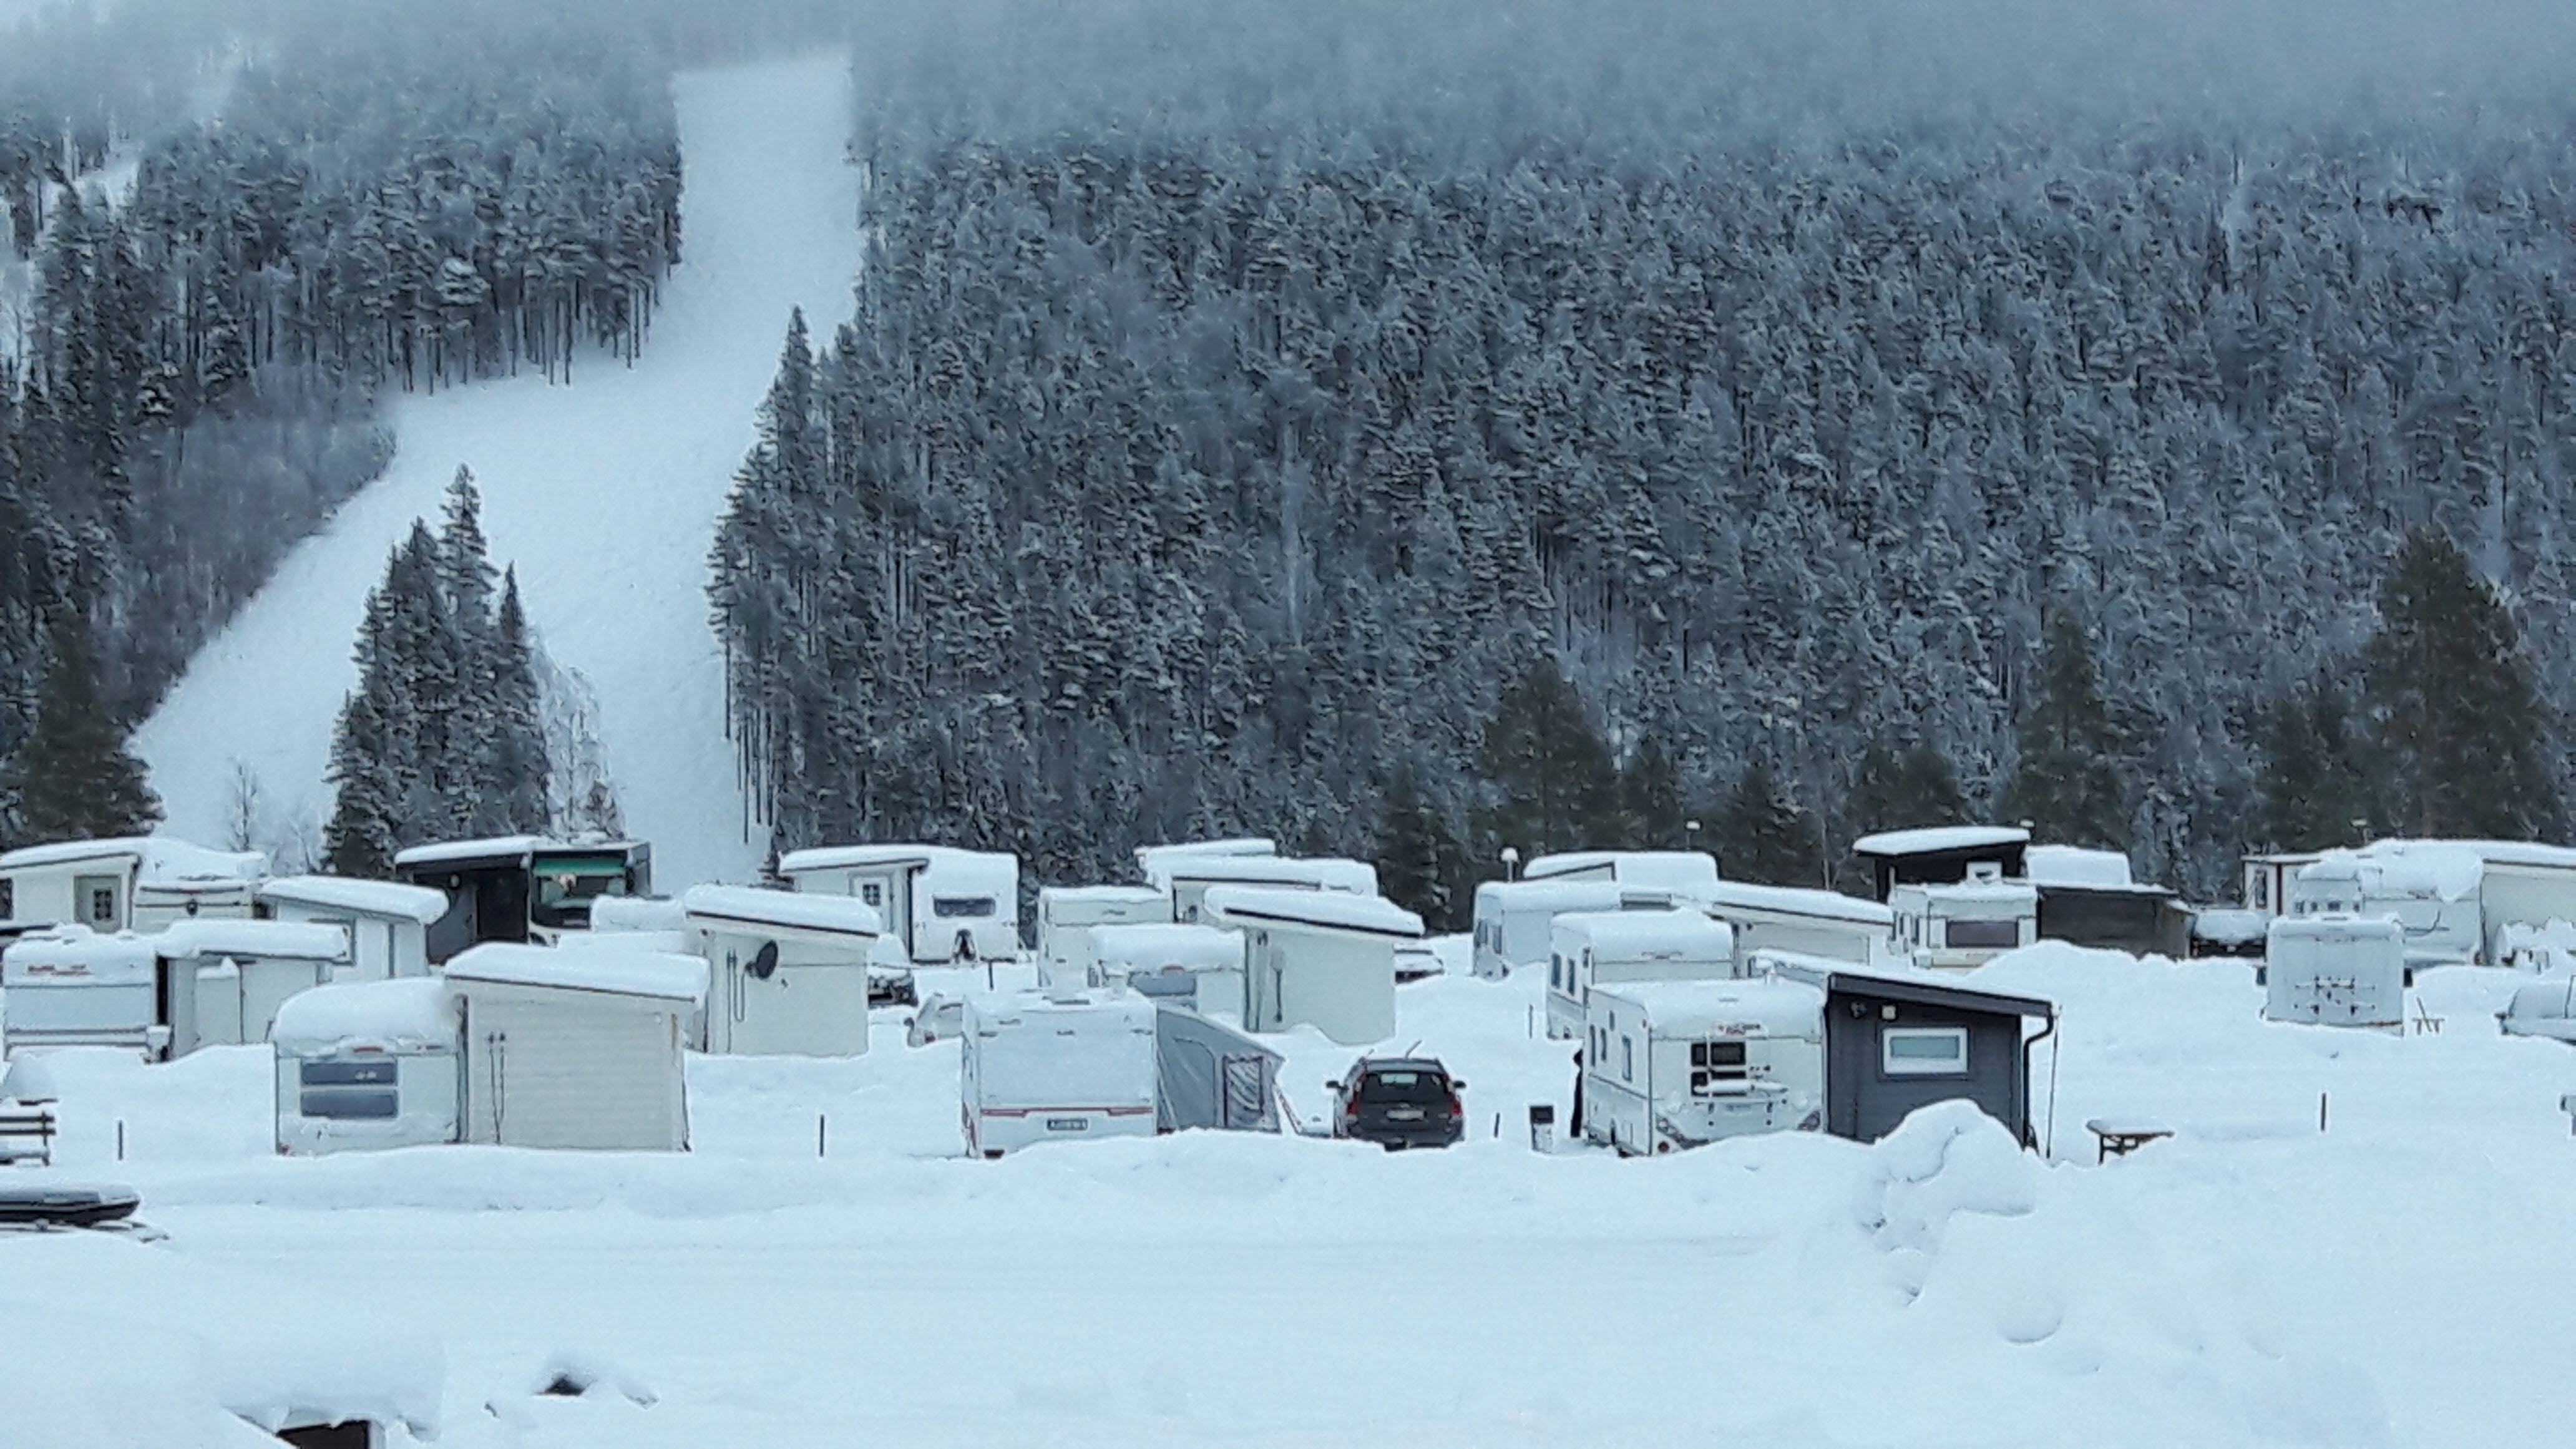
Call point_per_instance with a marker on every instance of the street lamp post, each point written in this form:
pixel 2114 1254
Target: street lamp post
pixel 1511 863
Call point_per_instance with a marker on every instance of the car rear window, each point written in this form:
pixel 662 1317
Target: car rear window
pixel 1410 1088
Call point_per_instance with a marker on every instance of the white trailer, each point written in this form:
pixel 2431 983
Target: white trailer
pixel 139 883
pixel 1671 1065
pixel 1066 915
pixel 1321 958
pixel 1513 916
pixel 790 970
pixel 1056 1066
pixel 2336 970
pixel 576 1048
pixel 1691 874
pixel 1961 927
pixel 72 986
pixel 1809 922
pixel 948 906
pixel 388 923
pixel 1188 879
pixel 368 1065
pixel 229 977
pixel 1200 967
pixel 1600 948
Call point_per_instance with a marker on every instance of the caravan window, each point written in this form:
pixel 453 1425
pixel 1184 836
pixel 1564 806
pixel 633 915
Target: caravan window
pixel 1627 1059
pixel 1716 1065
pixel 872 893
pixel 97 897
pixel 362 1091
pixel 8 900
pixel 1981 934
pixel 1923 1051
pixel 955 907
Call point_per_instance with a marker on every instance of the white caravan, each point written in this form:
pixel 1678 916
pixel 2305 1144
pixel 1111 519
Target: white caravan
pixel 1056 1066
pixel 1687 873
pixel 366 1065
pixel 790 970
pixel 72 986
pixel 576 1048
pixel 1671 1065
pixel 1809 922
pixel 1324 959
pixel 135 882
pixel 1200 967
pixel 1066 915
pixel 1189 878
pixel 388 924
pixel 229 977
pixel 1961 927
pixel 948 907
pixel 2430 888
pixel 1513 916
pixel 2336 970
pixel 1601 948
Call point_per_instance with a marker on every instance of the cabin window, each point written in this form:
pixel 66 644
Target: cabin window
pixel 957 907
pixel 872 893
pixel 1923 1051
pixel 350 1091
pixel 1981 934
pixel 1716 1066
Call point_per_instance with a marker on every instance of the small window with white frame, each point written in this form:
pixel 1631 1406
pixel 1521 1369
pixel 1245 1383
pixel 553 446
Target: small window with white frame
pixel 1923 1051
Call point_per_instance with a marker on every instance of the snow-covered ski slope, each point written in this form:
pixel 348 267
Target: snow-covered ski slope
pixel 604 493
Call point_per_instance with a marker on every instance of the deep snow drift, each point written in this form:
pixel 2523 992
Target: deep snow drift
pixel 605 494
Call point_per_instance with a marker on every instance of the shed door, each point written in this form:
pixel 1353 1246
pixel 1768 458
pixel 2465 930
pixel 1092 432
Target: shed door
pixel 598 1073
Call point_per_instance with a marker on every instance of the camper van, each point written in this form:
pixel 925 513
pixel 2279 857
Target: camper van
pixel 948 907
pixel 1513 916
pixel 1690 874
pixel 368 1064
pixel 139 883
pixel 1812 922
pixel 1670 1065
pixel 1056 1066
pixel 1598 948
pixel 1066 915
pixel 2336 970
pixel 1961 927
pixel 520 888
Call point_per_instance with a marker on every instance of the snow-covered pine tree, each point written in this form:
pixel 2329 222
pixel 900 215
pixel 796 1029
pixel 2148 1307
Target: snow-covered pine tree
pixel 2452 704
pixel 2067 781
pixel 478 802
pixel 517 767
pixel 1762 835
pixel 73 777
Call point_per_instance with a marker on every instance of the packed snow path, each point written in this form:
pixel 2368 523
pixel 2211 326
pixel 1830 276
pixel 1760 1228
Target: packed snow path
pixel 604 493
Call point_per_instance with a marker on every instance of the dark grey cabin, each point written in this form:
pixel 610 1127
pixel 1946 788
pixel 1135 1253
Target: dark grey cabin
pixel 1942 855
pixel 2141 920
pixel 1897 1040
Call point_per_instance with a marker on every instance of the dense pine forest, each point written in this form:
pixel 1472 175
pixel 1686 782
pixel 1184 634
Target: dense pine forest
pixel 1243 430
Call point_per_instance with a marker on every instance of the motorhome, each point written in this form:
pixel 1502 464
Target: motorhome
pixel 1513 917
pixel 2430 889
pixel 948 907
pixel 1789 918
pixel 1056 1066
pixel 521 887
pixel 1066 915
pixel 1319 958
pixel 1685 873
pixel 1963 926
pixel 1188 879
pixel 2336 970
pixel 139 883
pixel 1670 1065
pixel 1600 948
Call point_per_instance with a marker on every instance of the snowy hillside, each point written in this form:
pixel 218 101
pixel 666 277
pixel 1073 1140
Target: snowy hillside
pixel 603 493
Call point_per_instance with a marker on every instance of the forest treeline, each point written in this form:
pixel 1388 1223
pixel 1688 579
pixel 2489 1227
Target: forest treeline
pixel 1189 466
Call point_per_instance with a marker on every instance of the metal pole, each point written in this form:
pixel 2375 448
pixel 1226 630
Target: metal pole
pixel 2321 1111
pixel 120 1139
pixel 821 1125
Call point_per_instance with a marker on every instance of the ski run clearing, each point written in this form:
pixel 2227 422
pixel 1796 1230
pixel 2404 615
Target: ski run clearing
pixel 603 493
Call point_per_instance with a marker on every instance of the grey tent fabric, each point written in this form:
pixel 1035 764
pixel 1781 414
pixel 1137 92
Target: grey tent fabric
pixel 1210 1075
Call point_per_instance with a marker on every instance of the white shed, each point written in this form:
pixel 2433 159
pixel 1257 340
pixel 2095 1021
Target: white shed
pixel 1200 967
pixel 1597 948
pixel 140 882
pixel 72 986
pixel 576 1048
pixel 1189 878
pixel 1669 1065
pixel 368 1064
pixel 948 906
pixel 228 977
pixel 1810 922
pixel 790 970
pixel 388 923
pixel 1066 915
pixel 1690 873
pixel 1316 958
pixel 2336 970
pixel 1513 917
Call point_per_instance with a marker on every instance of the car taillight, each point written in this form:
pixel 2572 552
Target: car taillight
pixel 1351 1105
pixel 1456 1107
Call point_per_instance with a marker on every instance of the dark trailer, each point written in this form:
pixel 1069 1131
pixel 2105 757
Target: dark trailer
pixel 1898 1039
pixel 1942 855
pixel 521 887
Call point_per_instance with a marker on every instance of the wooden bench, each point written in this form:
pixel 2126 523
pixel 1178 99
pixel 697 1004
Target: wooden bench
pixel 24 1122
pixel 2119 1139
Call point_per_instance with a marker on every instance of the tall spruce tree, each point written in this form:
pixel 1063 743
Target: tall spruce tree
pixel 2462 732
pixel 74 778
pixel 1542 756
pixel 517 769
pixel 1763 836
pixel 2067 782
pixel 1422 865
pixel 2315 783
pixel 1652 815
pixel 1902 791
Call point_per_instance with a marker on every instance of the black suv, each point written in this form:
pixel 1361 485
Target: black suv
pixel 1399 1102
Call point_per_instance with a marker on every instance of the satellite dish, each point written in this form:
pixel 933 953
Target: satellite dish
pixel 764 962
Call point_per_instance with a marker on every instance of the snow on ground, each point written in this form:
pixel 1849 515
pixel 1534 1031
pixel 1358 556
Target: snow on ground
pixel 2398 1279
pixel 604 493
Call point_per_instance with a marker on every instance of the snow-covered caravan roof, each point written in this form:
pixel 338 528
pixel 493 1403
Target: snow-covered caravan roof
pixel 1150 946
pixel 1767 1006
pixel 2425 870
pixel 1649 935
pixel 2336 926
pixel 1018 1008
pixel 1323 873
pixel 2228 926
pixel 280 940
pixel 1691 871
pixel 1903 983
pixel 614 915
pixel 1567 895
pixel 76 955
pixel 624 970
pixel 496 847
pixel 1327 910
pixel 385 898
pixel 2014 895
pixel 117 1342
pixel 747 908
pixel 1798 901
pixel 2493 852
pixel 1096 895
pixel 1931 839
pixel 409 1013
pixel 2073 865
pixel 849 857
pixel 1150 857
pixel 163 860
